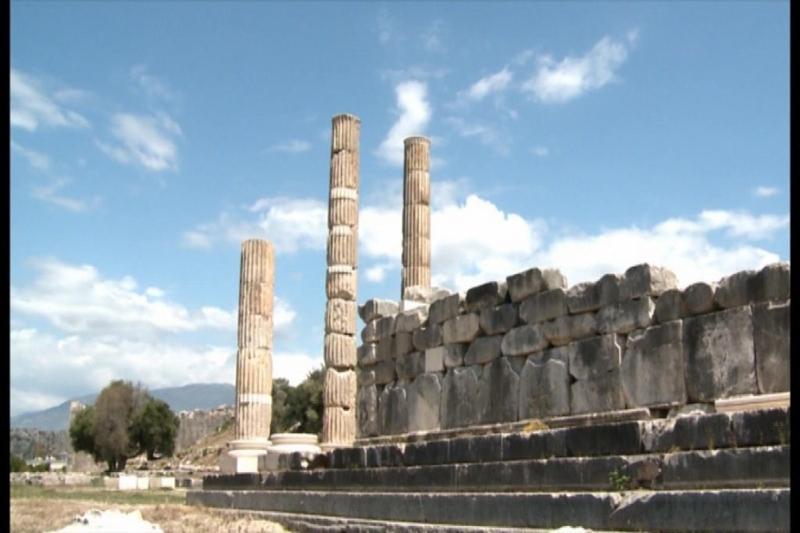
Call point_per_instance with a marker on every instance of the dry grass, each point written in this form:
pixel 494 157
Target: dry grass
pixel 35 509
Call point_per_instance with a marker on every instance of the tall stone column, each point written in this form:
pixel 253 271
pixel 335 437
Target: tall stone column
pixel 254 357
pixel 339 386
pixel 416 214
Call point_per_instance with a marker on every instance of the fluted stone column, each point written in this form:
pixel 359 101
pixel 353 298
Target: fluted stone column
pixel 254 357
pixel 416 214
pixel 339 386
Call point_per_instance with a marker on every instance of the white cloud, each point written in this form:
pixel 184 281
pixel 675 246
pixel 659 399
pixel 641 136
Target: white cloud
pixel 414 114
pixel 561 81
pixel 292 146
pixel 145 140
pixel 35 159
pixel 765 192
pixel 32 107
pixel 432 37
pixel 487 85
pixel 152 86
pixel 486 134
pixel 540 151
pixel 196 239
pixel 50 194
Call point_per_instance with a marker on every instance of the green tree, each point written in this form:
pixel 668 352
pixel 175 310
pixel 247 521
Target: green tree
pixel 18 464
pixel 81 431
pixel 280 391
pixel 298 409
pixel 155 428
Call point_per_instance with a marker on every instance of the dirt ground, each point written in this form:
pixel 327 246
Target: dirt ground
pixel 37 510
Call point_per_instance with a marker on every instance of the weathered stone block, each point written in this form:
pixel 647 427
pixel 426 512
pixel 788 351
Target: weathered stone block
pixel 554 279
pixel 653 366
pixel 342 246
pixel 402 344
pixel 594 357
pixel 523 340
pixel 459 394
pixel 771 336
pixel 340 350
pixel 462 328
pixel 773 282
pixel 626 316
pixel 410 365
pixel 735 290
pixel 370 332
pixel 598 394
pixel 419 293
pixel 341 281
pixel 385 372
pixel 367 354
pixel 524 284
pixel 566 329
pixel 384 326
pixel 433 359
pixel 544 385
pixel 450 355
pixel 408 321
pixel 646 280
pixel 385 350
pixel 367 412
pixel 375 309
pixel 424 403
pixel 720 359
pixel 428 337
pixel 582 298
pixel 770 283
pixel 494 320
pixel 608 289
pixel 365 377
pixel 340 317
pixel 543 306
pixel 393 410
pixel 669 306
pixel 486 295
pixel 698 298
pixel 498 393
pixel 339 388
pixel 482 350
pixel 445 308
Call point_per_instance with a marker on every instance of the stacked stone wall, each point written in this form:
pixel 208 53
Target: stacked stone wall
pixel 531 347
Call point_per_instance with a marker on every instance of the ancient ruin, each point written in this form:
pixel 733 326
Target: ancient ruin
pixel 627 403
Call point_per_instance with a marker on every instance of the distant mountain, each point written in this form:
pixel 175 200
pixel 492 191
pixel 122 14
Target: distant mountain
pixel 188 397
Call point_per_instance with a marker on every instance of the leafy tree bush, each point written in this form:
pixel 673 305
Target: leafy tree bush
pixel 155 428
pixel 18 464
pixel 298 409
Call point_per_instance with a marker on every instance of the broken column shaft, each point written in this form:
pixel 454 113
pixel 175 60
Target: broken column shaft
pixel 416 214
pixel 339 386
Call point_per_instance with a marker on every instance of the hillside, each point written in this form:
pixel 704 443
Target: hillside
pixel 205 396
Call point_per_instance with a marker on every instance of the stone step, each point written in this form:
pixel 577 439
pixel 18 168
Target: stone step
pixel 695 510
pixel 766 466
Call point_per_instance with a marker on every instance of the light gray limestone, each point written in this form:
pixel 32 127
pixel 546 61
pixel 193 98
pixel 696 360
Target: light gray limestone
pixel 566 329
pixel 384 327
pixel 595 356
pixel 393 410
pixel 423 294
pixel 424 403
pixel 486 295
pixel 652 368
pixel 410 365
pixel 698 298
pixel 499 319
pixel 720 358
pixel 771 336
pixel 626 316
pixel 523 340
pixel 433 359
pixel 773 282
pixel 428 337
pixel 462 328
pixel 608 289
pixel 366 377
pixel 543 306
pixel 445 308
pixel 601 393
pixel 375 309
pixel 498 392
pixel 408 321
pixel 482 350
pixel 669 306
pixel 385 372
pixel 582 298
pixel 402 344
pixel 544 385
pixel 370 332
pixel 367 354
pixel 367 412
pixel 459 397
pixel 735 290
pixel 385 349
pixel 524 284
pixel 450 354
pixel 554 279
pixel 646 280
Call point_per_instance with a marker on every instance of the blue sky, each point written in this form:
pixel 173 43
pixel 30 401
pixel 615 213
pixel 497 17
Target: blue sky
pixel 148 140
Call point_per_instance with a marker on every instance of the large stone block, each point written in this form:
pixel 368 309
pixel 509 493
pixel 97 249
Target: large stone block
pixel 523 340
pixel 646 280
pixel 720 359
pixel 340 317
pixel 367 354
pixel 365 377
pixel 385 372
pixel 669 307
pixel 486 295
pixel 341 281
pixel 482 350
pixel 653 366
pixel 566 329
pixel 524 284
pixel 433 359
pixel 698 299
pixel 595 357
pixel 402 344
pixel 498 393
pixel 462 328
pixel 770 283
pixel 445 308
pixel 393 410
pixel 385 350
pixel 582 298
pixel 450 355
pixel 375 309
pixel 626 316
pixel 340 350
pixel 554 279
pixel 338 425
pixel 370 332
pixel 543 306
pixel 773 283
pixel 499 319
pixel 410 365
pixel 420 293
pixel 459 397
pixel 771 338
pixel 428 337
pixel 367 412
pixel 408 321
pixel 544 385
pixel 424 403
pixel 339 388
pixel 384 326
pixel 608 289
pixel 598 394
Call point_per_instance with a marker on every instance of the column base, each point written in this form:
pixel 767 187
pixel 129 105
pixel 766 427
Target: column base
pixel 243 456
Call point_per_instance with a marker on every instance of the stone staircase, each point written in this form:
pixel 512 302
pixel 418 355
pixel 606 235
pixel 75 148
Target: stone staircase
pixel 702 472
